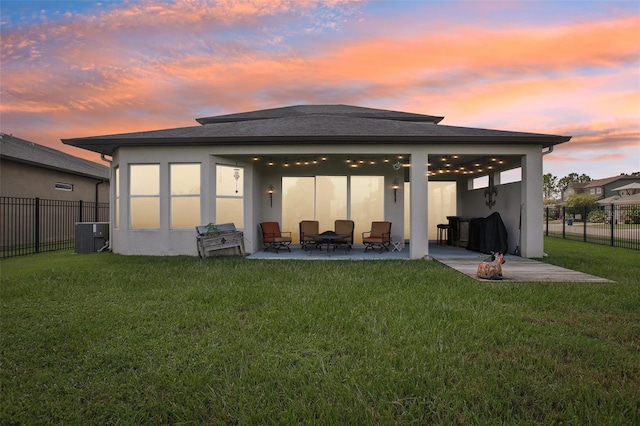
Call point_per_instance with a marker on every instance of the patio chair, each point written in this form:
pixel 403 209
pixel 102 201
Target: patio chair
pixel 308 228
pixel 380 235
pixel 343 227
pixel 272 238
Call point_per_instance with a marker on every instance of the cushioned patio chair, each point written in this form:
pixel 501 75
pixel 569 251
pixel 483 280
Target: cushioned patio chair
pixel 272 238
pixel 308 228
pixel 344 227
pixel 380 235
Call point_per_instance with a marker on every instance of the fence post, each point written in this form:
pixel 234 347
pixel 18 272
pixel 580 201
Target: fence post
pixel 80 204
pixel 564 212
pixel 613 224
pixel 36 215
pixel 547 233
pixel 584 224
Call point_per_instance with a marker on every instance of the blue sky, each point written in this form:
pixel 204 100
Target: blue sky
pixel 81 68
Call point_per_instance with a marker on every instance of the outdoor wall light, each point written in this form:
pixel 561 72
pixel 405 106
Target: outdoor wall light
pixel 271 195
pixel 395 190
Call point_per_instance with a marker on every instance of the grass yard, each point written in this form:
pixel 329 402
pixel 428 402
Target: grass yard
pixel 104 339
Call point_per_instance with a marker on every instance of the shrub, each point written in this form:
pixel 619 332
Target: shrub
pixel 597 216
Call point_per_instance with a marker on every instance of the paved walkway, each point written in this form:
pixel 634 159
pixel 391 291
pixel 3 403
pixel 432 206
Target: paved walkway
pixel 522 269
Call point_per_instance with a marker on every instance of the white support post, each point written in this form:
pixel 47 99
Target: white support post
pixel 531 238
pixel 419 243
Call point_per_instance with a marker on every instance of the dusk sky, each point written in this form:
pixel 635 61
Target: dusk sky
pixel 84 68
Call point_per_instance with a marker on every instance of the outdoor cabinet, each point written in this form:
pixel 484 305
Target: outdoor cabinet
pixel 91 236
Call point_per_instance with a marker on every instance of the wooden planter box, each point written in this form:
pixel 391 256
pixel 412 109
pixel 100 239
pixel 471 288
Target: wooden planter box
pixel 227 242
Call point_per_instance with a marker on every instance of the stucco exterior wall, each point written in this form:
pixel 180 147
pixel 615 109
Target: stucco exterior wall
pixel 30 181
pixel 167 241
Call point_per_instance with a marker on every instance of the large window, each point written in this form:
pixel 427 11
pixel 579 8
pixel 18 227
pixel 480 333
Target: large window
pixel 185 195
pixel 442 203
pixel 327 198
pixel 367 203
pixel 298 199
pixel 144 195
pixel 230 195
pixel 330 200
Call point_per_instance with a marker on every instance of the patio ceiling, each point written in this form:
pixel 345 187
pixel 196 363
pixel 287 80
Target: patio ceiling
pixel 441 167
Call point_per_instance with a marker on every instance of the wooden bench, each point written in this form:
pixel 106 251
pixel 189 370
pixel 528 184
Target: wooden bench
pixel 222 240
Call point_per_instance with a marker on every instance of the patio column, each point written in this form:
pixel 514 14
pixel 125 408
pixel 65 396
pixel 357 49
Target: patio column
pixel 419 240
pixel 531 241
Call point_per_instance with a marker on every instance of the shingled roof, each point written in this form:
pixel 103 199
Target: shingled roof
pixel 312 124
pixel 23 151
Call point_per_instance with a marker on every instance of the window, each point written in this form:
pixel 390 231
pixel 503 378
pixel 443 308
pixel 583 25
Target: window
pixel 367 203
pixel 480 182
pixel 63 186
pixel 144 203
pixel 230 195
pixel 442 203
pixel 509 176
pixel 117 191
pixel 330 200
pixel 325 199
pixel 185 195
pixel 298 203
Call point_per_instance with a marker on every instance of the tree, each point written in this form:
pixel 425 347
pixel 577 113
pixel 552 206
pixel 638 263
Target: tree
pixel 549 187
pixel 577 203
pixel 572 178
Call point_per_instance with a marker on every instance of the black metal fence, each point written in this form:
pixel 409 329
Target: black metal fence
pixel 35 225
pixel 616 225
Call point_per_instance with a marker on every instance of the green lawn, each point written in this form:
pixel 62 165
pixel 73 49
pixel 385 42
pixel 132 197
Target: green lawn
pixel 102 338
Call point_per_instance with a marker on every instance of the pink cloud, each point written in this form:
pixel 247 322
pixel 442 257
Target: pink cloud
pixel 153 65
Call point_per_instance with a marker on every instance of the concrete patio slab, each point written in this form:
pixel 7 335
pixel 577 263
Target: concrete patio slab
pixel 516 268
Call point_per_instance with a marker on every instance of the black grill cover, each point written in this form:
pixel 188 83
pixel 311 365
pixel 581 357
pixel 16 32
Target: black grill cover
pixel 488 234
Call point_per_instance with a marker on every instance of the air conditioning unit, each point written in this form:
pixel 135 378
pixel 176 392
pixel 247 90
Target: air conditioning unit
pixel 91 237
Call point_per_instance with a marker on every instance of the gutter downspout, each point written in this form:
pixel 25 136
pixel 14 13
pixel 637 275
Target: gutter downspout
pixel 548 152
pixel 103 158
pixel 106 160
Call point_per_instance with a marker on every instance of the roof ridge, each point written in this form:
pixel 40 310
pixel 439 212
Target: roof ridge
pixel 320 109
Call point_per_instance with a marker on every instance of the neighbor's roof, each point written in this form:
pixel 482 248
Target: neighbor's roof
pixel 616 199
pixel 601 182
pixel 313 124
pixel 634 185
pixel 23 151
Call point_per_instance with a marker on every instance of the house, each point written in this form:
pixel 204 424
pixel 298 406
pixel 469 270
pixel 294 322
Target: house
pixel 29 170
pixel 624 206
pixel 601 188
pixel 318 161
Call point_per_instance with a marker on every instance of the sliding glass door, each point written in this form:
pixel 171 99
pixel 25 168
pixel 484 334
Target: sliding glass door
pixel 327 198
pixel 366 203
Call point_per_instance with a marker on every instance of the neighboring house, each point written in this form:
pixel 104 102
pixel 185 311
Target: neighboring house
pixel 29 170
pixel 625 204
pixel 316 161
pixel 601 188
